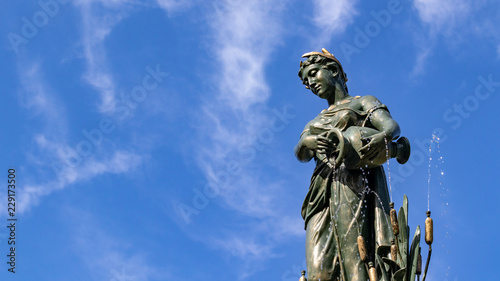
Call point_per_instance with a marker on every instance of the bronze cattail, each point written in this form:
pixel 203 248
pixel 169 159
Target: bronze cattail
pixel 394 251
pixel 303 277
pixel 429 236
pixel 419 265
pixel 372 272
pixel 362 248
pixel 394 220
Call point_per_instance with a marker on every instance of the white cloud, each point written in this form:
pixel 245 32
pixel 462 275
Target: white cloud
pixel 442 15
pixel 288 226
pixel 249 195
pixel 256 243
pixel 332 17
pixel 119 162
pixel 37 98
pixel 98 20
pixel 421 59
pixel 52 149
pixel 108 257
pixel 171 5
pixel 243 83
pixel 243 247
pixel 246 33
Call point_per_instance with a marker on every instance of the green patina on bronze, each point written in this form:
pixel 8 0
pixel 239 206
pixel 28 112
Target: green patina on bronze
pixel 348 200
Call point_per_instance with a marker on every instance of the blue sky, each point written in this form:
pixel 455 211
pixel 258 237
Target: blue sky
pixel 153 140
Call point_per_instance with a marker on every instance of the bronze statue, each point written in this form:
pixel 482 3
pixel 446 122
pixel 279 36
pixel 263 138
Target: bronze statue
pixel 347 211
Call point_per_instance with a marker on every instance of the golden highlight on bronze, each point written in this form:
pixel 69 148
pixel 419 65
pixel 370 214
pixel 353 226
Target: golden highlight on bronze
pixel 429 235
pixel 372 272
pixel 394 251
pixel 429 238
pixel 326 54
pixel 362 248
pixel 394 220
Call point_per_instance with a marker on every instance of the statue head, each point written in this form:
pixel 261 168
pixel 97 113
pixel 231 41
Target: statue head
pixel 325 60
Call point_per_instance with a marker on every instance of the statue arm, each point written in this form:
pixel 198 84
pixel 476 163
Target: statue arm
pixel 302 152
pixel 309 144
pixel 381 120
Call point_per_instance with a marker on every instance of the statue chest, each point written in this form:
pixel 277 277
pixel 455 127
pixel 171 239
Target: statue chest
pixel 340 119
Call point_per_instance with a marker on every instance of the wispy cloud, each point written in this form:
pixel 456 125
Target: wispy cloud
pixel 486 27
pixel 36 97
pixel 107 257
pixel 118 162
pixel 98 20
pixel 332 17
pixel 256 243
pixel 51 145
pixel 52 151
pixel 172 5
pixel 439 18
pixel 442 15
pixel 243 247
pixel 246 33
pixel 421 58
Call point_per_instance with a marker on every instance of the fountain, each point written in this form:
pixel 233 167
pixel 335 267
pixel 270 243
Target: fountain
pixel 349 202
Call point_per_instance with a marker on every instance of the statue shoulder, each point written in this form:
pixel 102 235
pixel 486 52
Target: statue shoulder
pixel 369 103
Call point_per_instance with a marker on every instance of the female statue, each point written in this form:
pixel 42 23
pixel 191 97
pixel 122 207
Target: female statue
pixel 348 196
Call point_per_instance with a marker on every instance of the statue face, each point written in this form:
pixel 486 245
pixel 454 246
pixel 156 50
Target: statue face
pixel 320 80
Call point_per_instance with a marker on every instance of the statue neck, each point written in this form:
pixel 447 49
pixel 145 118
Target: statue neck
pixel 339 95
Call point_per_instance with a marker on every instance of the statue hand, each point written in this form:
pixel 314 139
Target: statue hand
pixel 319 143
pixel 376 145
